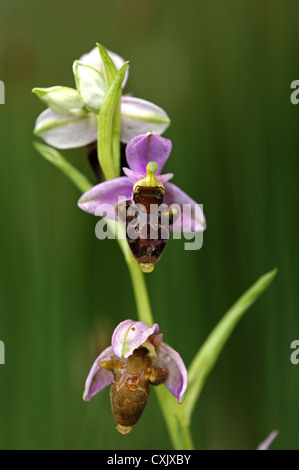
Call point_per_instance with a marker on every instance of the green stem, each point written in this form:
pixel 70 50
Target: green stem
pixel 140 292
pixel 178 427
pixel 137 277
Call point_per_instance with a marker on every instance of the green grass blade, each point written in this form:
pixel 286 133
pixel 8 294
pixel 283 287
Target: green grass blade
pixel 208 354
pixel 55 157
pixel 110 163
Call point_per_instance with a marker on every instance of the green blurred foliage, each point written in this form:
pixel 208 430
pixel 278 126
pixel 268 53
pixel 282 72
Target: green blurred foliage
pixel 222 71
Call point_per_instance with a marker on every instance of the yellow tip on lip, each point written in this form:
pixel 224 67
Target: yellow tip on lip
pixel 147 267
pixel 124 429
pixel 150 181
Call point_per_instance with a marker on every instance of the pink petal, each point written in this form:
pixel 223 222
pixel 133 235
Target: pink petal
pixel 129 335
pixel 98 378
pixel 102 198
pixel 177 381
pixel 192 217
pixel 164 178
pixel 146 148
pixel 132 175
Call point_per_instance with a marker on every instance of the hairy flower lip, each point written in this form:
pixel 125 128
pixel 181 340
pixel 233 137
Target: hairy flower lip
pixel 140 151
pixel 128 336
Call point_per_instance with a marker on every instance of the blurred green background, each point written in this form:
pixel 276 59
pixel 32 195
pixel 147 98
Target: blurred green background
pixel 222 71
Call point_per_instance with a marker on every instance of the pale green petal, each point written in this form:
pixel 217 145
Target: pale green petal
pixel 62 100
pixel 90 84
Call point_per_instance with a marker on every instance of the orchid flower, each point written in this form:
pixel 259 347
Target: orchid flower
pixel 136 358
pixel 70 120
pixel 146 156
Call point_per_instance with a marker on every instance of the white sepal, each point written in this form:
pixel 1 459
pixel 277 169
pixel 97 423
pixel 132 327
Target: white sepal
pixel 64 132
pixel 141 116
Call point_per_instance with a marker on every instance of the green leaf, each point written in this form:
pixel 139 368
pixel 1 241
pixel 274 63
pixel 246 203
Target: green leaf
pixel 208 354
pixel 50 154
pixel 61 99
pixel 90 84
pixel 109 164
pixel 110 70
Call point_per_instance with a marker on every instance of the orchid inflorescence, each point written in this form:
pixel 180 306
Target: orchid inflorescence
pixel 96 112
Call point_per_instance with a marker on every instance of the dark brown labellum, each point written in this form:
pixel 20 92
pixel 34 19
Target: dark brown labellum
pixel 148 196
pixel 147 224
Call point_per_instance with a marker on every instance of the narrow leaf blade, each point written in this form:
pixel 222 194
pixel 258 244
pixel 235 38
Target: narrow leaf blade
pixel 208 354
pixel 105 126
pixel 53 156
pixel 110 69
